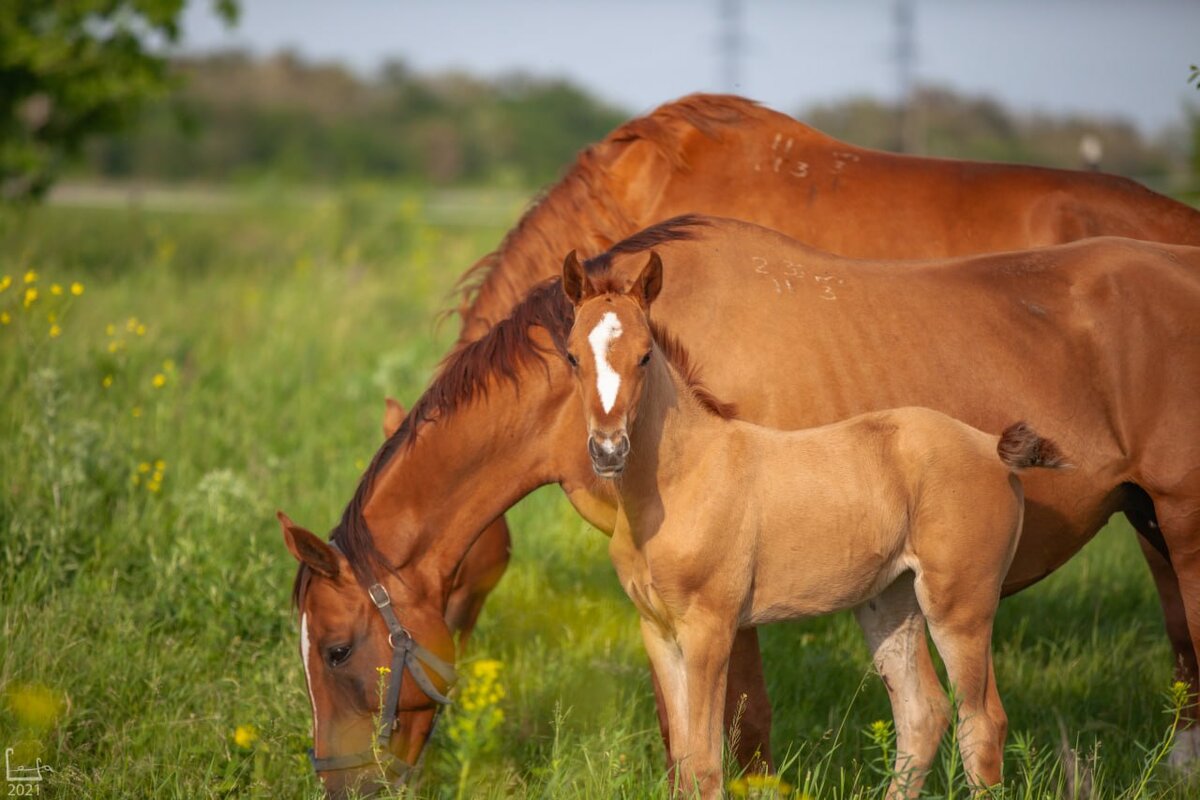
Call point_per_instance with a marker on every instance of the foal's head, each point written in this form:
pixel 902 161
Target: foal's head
pixel 609 349
pixel 348 660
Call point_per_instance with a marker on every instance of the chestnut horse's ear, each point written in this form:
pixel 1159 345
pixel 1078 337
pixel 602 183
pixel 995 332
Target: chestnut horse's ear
pixel 308 548
pixel 574 279
pixel 649 283
pixel 393 416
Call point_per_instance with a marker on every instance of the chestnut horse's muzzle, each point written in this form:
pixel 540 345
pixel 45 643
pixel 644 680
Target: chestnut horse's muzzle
pixel 608 453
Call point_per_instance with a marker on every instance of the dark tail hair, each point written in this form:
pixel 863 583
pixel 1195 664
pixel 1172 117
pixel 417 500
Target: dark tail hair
pixel 1021 448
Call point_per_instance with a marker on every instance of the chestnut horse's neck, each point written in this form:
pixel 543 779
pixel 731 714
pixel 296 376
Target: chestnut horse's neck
pixel 451 476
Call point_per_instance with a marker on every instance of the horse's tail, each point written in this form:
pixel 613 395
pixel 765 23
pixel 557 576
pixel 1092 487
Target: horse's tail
pixel 1021 448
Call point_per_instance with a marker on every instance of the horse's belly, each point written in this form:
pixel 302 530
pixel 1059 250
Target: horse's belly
pixel 817 580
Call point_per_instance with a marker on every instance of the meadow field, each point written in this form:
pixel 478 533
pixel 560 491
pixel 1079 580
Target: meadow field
pixel 173 372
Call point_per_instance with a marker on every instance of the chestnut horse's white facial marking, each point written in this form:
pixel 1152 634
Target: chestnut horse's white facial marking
pixel 608 382
pixel 304 650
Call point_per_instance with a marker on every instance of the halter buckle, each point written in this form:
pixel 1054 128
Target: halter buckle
pixel 379 595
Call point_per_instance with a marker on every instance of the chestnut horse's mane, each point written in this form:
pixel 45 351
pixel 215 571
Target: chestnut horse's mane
pixel 466 374
pixel 585 194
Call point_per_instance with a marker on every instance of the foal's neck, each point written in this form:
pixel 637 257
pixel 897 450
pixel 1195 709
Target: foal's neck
pixel 671 427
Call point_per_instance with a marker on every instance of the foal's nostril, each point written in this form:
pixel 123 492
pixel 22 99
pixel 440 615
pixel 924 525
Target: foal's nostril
pixel 622 446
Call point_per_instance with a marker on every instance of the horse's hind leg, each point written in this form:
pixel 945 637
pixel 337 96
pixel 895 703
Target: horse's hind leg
pixel 1139 508
pixel 895 631
pixel 960 605
pixel 1179 519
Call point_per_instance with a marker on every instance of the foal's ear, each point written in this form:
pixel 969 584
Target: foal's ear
pixel 393 416
pixel 308 548
pixel 574 279
pixel 649 283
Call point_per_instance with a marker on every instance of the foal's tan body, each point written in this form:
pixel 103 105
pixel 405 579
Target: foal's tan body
pixel 906 515
pixel 728 524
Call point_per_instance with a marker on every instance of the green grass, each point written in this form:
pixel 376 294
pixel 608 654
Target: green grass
pixel 139 628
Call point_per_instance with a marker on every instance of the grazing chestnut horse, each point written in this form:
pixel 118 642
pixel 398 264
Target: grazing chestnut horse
pixel 724 155
pixel 1096 343
pixel 907 516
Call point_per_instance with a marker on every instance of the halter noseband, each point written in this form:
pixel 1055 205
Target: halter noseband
pixel 406 655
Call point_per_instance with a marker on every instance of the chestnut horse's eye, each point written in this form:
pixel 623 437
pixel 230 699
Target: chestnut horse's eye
pixel 645 359
pixel 338 655
pixel 572 360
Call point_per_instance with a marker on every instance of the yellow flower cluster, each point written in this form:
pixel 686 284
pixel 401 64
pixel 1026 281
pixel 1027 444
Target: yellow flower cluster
pixel 761 786
pixel 477 712
pixel 31 297
pixel 149 474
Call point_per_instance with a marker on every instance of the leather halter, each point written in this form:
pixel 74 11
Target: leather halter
pixel 406 655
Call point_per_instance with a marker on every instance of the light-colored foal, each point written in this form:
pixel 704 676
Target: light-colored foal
pixel 907 516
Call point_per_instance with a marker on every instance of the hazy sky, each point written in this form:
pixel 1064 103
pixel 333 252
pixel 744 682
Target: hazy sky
pixel 1123 57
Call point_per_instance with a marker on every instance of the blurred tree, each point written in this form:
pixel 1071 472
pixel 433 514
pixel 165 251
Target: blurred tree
pixel 73 68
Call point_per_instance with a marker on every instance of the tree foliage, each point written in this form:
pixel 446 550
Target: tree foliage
pixel 72 68
pixel 288 117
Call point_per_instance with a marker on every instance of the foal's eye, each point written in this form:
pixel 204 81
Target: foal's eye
pixel 338 655
pixel 645 359
pixel 572 360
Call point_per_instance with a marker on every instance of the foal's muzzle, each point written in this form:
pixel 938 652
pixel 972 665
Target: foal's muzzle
pixel 608 453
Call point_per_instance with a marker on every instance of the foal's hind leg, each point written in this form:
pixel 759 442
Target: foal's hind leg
pixel 960 614
pixel 895 631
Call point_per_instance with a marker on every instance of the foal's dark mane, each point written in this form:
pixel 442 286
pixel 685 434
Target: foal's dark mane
pixel 467 374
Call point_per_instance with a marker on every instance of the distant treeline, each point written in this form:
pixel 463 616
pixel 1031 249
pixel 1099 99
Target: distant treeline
pixel 234 116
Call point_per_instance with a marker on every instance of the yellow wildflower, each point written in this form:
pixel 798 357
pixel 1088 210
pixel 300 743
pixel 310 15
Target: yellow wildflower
pixel 383 671
pixel 137 411
pixel 153 485
pixel 35 705
pixel 77 288
pixel 107 382
pixel 31 294
pixel 114 347
pixel 244 736
pixel 160 465
pixel 5 282
pixel 30 276
pixel 55 331
pixel 159 380
pixel 110 329
pixel 144 467
pixel 131 324
pixel 55 289
pixel 168 365
pixel 141 329
pixel 5 318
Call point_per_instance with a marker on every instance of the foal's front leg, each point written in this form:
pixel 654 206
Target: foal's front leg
pixel 692 664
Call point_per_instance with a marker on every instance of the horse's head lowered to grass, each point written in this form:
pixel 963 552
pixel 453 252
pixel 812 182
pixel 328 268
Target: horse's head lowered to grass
pixel 378 662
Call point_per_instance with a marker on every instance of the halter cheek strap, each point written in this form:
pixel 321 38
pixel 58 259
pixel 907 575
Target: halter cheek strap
pixel 407 655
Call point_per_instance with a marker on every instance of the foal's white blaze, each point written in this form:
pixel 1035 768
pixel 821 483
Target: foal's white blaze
pixel 305 647
pixel 608 382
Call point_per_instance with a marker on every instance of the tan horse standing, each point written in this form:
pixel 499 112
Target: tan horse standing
pixel 907 515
